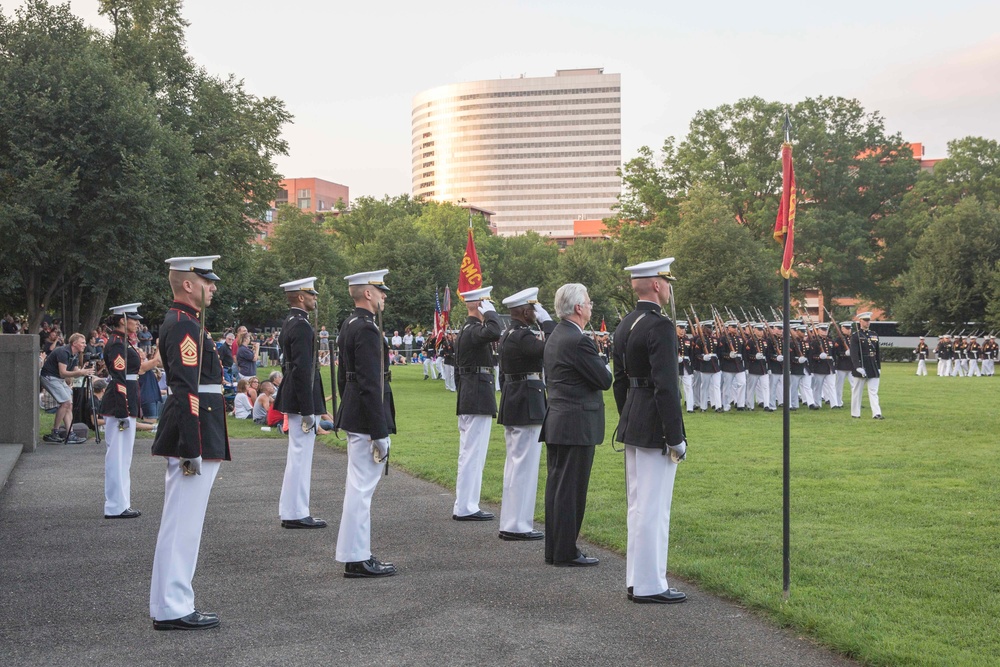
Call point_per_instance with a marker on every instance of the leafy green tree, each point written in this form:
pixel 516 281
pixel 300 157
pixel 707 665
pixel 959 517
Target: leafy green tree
pixel 953 276
pixel 513 263
pixel 597 265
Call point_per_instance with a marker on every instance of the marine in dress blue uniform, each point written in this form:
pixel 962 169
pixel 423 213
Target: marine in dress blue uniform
pixel 192 438
pixel 867 360
pixel 651 425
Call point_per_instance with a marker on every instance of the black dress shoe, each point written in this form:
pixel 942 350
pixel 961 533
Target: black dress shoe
pixel 477 516
pixel 193 621
pixel 669 596
pixel 583 560
pixel 521 537
pixel 368 568
pixel 814 407
pixel 127 514
pixel 878 417
pixel 307 522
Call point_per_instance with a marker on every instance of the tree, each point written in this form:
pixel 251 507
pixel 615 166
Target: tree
pixel 719 263
pixel 514 263
pixel 954 272
pixel 599 266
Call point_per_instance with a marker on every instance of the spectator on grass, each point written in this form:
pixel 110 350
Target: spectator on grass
pixel 263 402
pixel 242 406
pixel 60 366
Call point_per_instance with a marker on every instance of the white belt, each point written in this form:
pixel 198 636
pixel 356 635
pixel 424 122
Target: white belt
pixel 533 376
pixel 134 377
pixel 204 389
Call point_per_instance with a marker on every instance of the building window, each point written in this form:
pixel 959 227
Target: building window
pixel 321 205
pixel 269 215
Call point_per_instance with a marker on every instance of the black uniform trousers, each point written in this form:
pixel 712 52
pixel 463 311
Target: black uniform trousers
pixel 565 498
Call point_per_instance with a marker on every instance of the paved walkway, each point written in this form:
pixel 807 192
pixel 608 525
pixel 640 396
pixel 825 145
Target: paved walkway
pixel 74 587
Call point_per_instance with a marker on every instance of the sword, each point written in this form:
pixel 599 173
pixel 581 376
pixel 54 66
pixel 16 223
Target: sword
pixel 315 368
pixel 201 349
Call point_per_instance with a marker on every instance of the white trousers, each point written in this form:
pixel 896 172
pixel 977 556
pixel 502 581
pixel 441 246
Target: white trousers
pixel 921 367
pixel 857 386
pixel 987 367
pixel 473 439
pixel 973 368
pixel 822 388
pixel 758 390
pixel 944 367
pixel 439 365
pixel 430 369
pixel 496 378
pixel 711 390
pixel 838 392
pixel 733 389
pixel 793 390
pixel 520 478
pixel 117 466
pixel 354 539
pixel 696 387
pixel 649 484
pixel 776 389
pixel 957 367
pixel 687 380
pixel 294 501
pixel 185 499
pixel 449 377
pixel 806 390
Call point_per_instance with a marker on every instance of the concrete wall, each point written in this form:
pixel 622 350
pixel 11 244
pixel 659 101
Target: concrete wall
pixel 19 390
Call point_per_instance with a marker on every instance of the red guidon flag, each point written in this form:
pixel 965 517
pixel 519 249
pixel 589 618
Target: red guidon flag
pixel 784 226
pixel 469 275
pixel 604 326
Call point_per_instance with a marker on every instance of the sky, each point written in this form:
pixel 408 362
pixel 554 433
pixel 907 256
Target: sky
pixel 348 71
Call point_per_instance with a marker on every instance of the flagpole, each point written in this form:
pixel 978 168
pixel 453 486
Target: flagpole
pixel 786 420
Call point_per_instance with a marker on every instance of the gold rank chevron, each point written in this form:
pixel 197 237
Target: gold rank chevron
pixel 189 351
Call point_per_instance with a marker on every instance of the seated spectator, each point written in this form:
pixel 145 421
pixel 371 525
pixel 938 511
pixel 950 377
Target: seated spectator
pixel 263 403
pixel 246 356
pixel 253 385
pixel 242 407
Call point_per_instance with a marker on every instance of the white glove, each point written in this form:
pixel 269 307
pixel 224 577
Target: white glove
pixel 191 466
pixel 734 355
pixel 380 448
pixel 780 357
pixel 123 424
pixel 308 421
pixel 759 355
pixel 861 372
pixel 823 355
pixel 802 360
pixel 486 307
pixel 706 357
pixel 541 314
pixel 678 452
pixel 687 358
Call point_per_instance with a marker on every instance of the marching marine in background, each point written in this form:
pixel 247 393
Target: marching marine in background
pixel 972 351
pixel 120 408
pixel 477 400
pixel 521 412
pixel 192 437
pixel 990 351
pixel 757 350
pixel 944 353
pixel 301 397
pixel 685 349
pixel 842 361
pixel 652 427
pixel 921 351
pixel 867 362
pixel 368 415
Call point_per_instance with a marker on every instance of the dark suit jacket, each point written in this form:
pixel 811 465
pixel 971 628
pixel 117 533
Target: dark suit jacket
pixel 576 377
pixel 298 349
pixel 366 404
pixel 645 349
pixel 865 353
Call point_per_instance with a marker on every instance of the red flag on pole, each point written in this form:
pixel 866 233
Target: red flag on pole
pixel 604 326
pixel 469 275
pixel 784 226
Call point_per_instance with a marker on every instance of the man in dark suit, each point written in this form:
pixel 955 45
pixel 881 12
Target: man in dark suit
pixel 368 416
pixel 652 427
pixel 192 438
pixel 522 408
pixel 301 397
pixel 574 423
pixel 477 400
pixel 867 360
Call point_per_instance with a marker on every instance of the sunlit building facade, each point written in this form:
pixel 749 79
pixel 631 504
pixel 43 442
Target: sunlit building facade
pixel 540 152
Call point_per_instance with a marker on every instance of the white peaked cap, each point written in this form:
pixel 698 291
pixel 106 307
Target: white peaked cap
pixel 865 316
pixel 376 278
pixel 477 294
pixel 304 285
pixel 847 323
pixel 656 268
pixel 200 265
pixel 128 310
pixel 732 323
pixel 522 298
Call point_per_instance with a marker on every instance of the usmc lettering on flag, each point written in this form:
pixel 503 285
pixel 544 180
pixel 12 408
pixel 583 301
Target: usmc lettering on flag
pixel 189 351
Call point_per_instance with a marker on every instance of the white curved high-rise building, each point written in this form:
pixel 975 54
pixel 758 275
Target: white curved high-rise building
pixel 538 152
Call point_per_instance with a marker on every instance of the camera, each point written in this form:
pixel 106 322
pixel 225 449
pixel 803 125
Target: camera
pixel 91 356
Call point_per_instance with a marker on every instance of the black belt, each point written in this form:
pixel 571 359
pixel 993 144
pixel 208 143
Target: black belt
pixel 640 383
pixel 472 370
pixel 353 377
pixel 520 377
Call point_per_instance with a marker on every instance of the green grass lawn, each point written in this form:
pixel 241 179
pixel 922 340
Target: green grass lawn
pixel 895 537
pixel 894 534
